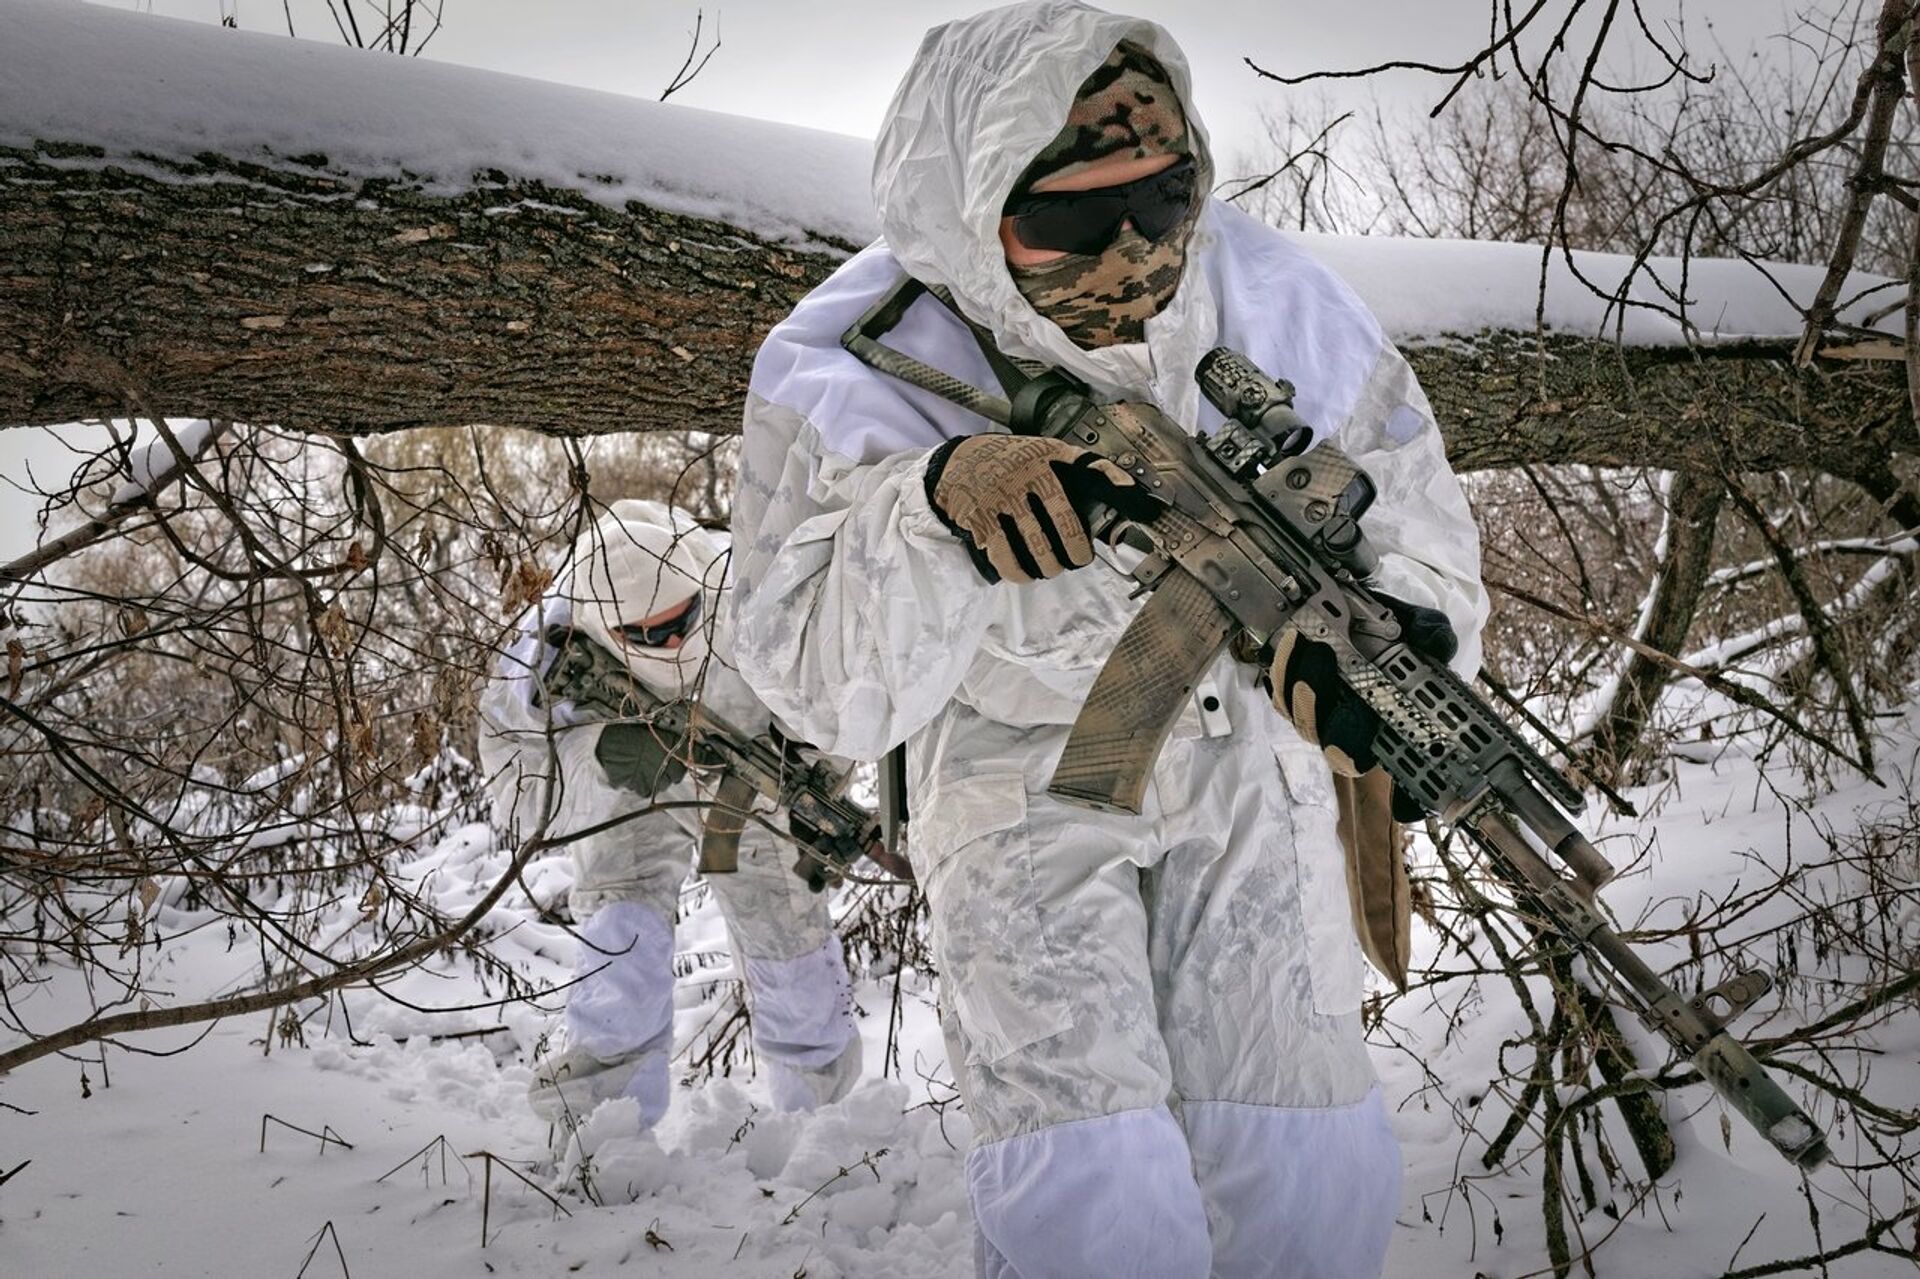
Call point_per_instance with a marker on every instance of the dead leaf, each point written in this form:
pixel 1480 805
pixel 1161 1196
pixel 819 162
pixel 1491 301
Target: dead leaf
pixel 16 659
pixel 334 628
pixel 526 583
pixel 426 736
pixel 149 893
pixel 357 556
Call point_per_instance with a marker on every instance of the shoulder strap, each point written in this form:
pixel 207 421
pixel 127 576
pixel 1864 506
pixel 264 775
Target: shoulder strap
pixel 862 340
pixel 1012 377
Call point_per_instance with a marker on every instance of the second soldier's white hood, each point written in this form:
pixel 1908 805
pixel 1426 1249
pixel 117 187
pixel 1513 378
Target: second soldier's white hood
pixel 982 98
pixel 639 558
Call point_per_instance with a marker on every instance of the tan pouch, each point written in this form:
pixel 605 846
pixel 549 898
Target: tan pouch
pixel 1377 884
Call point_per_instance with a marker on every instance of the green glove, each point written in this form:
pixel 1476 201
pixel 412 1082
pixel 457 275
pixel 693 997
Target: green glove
pixel 641 758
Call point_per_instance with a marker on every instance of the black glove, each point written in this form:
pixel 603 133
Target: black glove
pixel 1306 685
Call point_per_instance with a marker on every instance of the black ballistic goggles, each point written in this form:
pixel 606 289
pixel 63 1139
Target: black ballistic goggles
pixel 1088 221
pixel 657 635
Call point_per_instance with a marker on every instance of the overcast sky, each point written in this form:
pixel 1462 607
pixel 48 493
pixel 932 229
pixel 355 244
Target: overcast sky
pixel 833 65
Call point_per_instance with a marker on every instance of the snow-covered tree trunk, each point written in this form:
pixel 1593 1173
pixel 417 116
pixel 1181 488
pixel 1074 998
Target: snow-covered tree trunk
pixel 1686 546
pixel 221 289
pixel 225 289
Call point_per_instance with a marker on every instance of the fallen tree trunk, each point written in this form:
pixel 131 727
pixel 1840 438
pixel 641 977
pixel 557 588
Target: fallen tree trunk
pixel 222 289
pixel 1506 399
pixel 274 296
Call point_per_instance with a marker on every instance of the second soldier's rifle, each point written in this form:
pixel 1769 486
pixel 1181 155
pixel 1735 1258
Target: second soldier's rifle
pixel 1254 530
pixel 830 830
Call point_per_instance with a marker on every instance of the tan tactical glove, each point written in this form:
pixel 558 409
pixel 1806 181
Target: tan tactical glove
pixel 1019 502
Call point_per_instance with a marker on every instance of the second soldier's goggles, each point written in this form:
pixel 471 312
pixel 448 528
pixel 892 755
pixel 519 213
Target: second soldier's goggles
pixel 1088 221
pixel 657 635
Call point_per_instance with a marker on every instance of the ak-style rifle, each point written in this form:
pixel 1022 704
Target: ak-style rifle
pixel 830 830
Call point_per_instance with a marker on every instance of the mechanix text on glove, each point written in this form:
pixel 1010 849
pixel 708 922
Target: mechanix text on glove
pixel 1019 502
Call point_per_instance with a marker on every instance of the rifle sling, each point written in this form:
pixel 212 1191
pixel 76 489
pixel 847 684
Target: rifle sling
pixel 862 341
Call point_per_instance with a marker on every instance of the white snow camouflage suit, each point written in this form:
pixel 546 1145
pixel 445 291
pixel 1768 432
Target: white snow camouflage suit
pixel 1153 1020
pixel 627 878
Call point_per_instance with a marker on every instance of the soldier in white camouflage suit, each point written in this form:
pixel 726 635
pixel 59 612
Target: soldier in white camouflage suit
pixel 1154 1020
pixel 645 583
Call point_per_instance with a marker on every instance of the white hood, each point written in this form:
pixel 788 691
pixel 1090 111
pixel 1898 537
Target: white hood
pixel 638 559
pixel 981 99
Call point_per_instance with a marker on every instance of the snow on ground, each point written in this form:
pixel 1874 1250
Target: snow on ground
pixel 161 1174
pixel 157 1168
pixel 142 86
pixel 152 1166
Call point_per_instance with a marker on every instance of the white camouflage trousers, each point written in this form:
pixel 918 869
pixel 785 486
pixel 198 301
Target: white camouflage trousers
pixel 1154 1020
pixel 625 893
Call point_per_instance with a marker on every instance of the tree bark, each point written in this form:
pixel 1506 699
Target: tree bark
pixel 280 295
pixel 1506 399
pixel 272 296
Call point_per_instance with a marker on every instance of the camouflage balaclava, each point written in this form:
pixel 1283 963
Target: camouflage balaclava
pixel 1106 298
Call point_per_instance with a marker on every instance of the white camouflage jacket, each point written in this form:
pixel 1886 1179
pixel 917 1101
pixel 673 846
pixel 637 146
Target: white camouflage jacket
pixel 860 619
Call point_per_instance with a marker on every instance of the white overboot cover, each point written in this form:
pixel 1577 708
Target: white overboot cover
pixel 619 1020
pixel 1307 1192
pixel 1112 1196
pixel 803 1026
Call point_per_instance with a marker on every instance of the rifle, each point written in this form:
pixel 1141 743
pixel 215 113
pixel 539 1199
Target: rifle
pixel 830 830
pixel 1254 531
